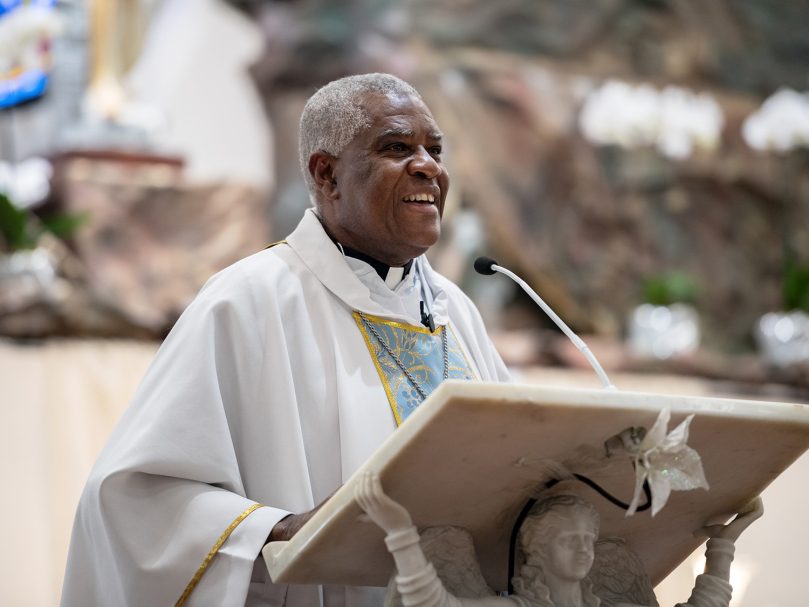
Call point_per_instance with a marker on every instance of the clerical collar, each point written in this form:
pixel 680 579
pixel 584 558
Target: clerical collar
pixel 391 275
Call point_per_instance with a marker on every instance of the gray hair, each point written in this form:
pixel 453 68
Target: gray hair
pixel 333 115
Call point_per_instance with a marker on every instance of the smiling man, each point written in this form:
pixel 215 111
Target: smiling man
pixel 384 193
pixel 286 372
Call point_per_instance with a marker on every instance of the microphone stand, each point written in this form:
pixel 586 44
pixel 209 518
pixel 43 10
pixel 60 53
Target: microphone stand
pixel 488 266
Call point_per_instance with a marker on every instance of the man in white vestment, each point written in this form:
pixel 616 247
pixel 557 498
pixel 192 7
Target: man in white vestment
pixel 285 373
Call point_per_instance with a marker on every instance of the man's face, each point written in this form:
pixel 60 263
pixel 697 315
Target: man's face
pixel 390 183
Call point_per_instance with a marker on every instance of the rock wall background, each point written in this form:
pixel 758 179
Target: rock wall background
pixel 585 225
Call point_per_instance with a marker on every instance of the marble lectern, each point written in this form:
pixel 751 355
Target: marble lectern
pixel 474 453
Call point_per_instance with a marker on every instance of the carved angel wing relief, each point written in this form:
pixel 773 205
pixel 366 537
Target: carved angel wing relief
pixel 452 553
pixel 618 575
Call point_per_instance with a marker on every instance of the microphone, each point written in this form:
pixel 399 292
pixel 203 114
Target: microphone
pixel 485 266
pixel 488 266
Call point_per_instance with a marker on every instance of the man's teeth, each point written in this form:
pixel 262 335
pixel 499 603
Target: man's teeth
pixel 419 198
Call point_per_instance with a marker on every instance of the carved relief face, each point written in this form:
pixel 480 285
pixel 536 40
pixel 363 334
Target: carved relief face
pixel 570 552
pixel 561 542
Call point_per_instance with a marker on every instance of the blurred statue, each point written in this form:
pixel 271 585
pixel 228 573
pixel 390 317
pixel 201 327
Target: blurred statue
pixel 560 562
pixel 117 30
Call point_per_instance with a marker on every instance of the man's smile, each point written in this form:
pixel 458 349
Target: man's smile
pixel 419 198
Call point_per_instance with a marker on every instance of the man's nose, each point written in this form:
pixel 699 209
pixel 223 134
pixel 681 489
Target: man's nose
pixel 423 164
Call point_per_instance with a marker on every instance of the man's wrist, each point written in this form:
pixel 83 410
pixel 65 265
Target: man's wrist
pixel 291 523
pixel 280 531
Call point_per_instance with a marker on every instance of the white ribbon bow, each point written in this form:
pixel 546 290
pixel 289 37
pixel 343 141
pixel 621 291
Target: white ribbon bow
pixel 667 462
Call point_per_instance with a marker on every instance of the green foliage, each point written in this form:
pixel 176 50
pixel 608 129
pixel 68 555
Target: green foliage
pixel 796 287
pixel 63 225
pixel 14 226
pixel 21 229
pixel 670 288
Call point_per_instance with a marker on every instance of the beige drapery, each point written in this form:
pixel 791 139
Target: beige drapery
pixel 58 402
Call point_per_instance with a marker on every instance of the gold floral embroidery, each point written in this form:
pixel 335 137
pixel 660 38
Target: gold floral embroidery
pixel 421 352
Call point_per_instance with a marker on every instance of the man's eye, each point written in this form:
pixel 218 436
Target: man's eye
pixel 436 150
pixel 397 147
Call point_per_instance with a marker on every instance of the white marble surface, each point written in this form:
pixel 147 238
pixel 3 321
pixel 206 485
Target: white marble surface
pixel 473 454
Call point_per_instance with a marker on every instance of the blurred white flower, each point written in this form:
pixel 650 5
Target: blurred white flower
pixel 674 120
pixel 687 121
pixel 780 124
pixel 619 114
pixel 663 331
pixel 783 337
pixel 22 29
pixel 27 183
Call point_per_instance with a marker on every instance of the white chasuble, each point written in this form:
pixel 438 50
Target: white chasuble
pixel 262 401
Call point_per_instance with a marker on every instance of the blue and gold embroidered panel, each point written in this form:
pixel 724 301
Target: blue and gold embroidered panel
pixel 420 351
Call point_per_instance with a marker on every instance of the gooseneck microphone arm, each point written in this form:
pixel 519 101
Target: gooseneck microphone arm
pixel 488 266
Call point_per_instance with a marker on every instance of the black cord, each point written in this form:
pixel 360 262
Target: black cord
pixel 512 545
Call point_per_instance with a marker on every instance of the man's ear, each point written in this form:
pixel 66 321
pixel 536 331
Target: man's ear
pixel 321 168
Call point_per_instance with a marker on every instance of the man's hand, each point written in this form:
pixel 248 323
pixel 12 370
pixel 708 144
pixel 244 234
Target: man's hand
pixel 291 523
pixel 289 526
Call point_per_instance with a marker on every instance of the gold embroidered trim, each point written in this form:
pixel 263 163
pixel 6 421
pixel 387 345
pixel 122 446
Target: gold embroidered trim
pixel 400 325
pixel 371 351
pixel 463 353
pixel 273 244
pixel 212 553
